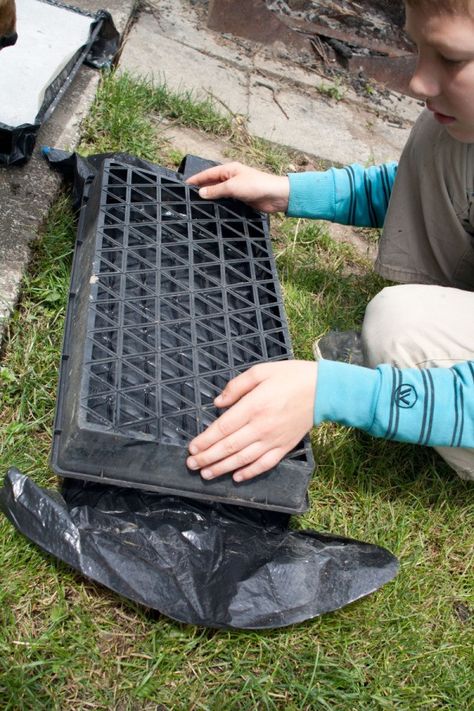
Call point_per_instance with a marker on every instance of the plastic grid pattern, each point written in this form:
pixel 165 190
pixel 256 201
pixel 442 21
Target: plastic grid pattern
pixel 185 298
pixel 183 295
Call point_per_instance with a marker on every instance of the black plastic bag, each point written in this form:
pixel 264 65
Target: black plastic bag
pixel 206 564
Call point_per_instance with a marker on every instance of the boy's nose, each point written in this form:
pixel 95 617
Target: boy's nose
pixel 424 83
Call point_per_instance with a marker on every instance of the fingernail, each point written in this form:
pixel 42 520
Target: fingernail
pixel 206 474
pixel 238 478
pixel 204 192
pixel 192 464
pixel 193 449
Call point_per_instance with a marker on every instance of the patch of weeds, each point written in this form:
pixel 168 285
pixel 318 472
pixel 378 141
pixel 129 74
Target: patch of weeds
pixel 335 91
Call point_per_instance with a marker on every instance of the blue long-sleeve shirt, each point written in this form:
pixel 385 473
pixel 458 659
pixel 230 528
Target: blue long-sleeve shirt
pixel 431 406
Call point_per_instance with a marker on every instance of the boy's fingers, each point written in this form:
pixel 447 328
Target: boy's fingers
pixel 225 426
pixel 243 457
pixel 213 175
pixel 216 191
pixel 267 461
pixel 237 388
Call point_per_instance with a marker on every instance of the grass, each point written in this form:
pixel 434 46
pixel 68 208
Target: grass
pixel 66 643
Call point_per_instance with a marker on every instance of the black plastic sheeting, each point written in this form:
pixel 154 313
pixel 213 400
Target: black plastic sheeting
pixel 204 564
pixel 17 142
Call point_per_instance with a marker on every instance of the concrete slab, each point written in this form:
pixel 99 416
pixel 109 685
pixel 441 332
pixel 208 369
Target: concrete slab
pixel 347 134
pixel 193 142
pixel 154 56
pixel 27 192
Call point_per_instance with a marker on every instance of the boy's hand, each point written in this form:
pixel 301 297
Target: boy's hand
pixel 271 409
pixel 261 191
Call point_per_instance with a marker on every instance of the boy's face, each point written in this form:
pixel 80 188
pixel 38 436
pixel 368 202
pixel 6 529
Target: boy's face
pixel 444 76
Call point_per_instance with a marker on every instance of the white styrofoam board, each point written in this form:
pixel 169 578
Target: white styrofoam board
pixel 48 37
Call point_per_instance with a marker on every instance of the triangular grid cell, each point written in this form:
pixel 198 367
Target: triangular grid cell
pixel 247 350
pixel 139 339
pixel 99 384
pixel 176 364
pixel 141 258
pixel 177 396
pixel 211 329
pixel 137 370
pixel 117 194
pixel 238 273
pixel 140 284
pixel 179 429
pixel 177 335
pixel 204 231
pixel 174 307
pixel 206 252
pixel 110 260
pixel 106 286
pixel 136 404
pixel 236 249
pixel 202 211
pixel 143 194
pixel 243 323
pixel 172 234
pixel 208 302
pixel 137 311
pixel 112 238
pixel 171 255
pixel 116 174
pixel 141 235
pixel 100 408
pixel 172 192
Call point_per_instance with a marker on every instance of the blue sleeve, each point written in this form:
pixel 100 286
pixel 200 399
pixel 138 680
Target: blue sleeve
pixel 431 406
pixel 351 196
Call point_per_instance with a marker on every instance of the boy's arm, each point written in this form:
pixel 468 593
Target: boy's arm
pixel 351 196
pixel 432 406
pixel 271 406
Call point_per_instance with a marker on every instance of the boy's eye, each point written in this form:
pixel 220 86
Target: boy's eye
pixel 450 60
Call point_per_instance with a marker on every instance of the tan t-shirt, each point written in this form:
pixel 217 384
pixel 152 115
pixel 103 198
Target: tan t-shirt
pixel 428 234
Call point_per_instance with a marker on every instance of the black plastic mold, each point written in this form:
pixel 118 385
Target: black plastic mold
pixel 171 296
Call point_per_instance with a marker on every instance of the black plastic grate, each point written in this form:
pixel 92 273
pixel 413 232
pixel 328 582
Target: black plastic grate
pixel 181 295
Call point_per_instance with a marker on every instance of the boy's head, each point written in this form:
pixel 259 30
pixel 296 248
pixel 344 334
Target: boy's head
pixel 443 31
pixel 8 34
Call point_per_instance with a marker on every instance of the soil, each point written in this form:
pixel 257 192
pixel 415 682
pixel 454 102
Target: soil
pixel 382 20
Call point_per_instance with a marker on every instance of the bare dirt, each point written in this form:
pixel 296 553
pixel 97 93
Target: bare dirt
pixel 365 19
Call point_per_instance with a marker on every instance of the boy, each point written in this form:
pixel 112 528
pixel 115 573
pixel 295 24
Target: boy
pixel 422 331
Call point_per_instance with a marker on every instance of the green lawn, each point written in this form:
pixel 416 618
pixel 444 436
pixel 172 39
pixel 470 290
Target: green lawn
pixel 66 643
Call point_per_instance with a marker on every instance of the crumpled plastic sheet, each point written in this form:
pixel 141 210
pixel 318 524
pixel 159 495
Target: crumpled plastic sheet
pixel 205 564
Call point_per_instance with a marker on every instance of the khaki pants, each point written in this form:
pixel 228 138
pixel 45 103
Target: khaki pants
pixel 413 325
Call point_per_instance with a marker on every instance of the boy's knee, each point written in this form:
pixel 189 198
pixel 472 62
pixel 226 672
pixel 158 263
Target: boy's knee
pixel 391 327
